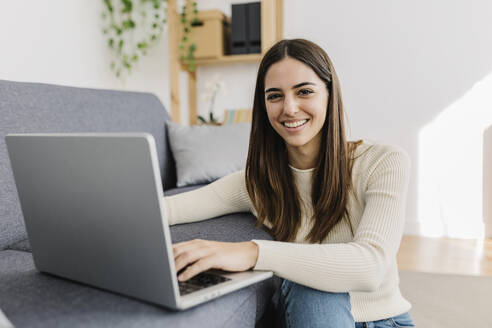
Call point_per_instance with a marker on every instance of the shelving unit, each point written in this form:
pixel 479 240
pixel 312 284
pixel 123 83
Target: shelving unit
pixel 271 31
pixel 230 59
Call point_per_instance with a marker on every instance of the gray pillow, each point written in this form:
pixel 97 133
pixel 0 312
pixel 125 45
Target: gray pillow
pixel 204 153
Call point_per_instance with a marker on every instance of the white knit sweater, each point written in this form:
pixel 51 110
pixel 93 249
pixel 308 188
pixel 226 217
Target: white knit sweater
pixel 364 265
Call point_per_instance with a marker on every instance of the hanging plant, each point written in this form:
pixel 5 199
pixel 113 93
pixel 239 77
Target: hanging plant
pixel 132 27
pixel 186 46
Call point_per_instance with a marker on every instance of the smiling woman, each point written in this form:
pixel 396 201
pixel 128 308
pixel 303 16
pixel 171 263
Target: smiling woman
pixel 297 83
pixel 335 208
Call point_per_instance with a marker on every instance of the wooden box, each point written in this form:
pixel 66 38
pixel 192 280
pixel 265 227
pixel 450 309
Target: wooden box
pixel 211 36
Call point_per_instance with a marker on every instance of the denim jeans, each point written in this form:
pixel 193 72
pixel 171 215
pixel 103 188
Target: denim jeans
pixel 301 306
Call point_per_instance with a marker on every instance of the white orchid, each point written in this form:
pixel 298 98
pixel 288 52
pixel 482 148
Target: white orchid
pixel 213 87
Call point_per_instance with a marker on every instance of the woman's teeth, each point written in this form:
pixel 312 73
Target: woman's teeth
pixel 295 124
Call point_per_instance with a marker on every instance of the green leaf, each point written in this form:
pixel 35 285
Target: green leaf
pixel 202 119
pixel 110 43
pixel 135 57
pixel 153 37
pixel 128 24
pixel 108 5
pixel 154 25
pixel 120 44
pixel 142 45
pixel 127 6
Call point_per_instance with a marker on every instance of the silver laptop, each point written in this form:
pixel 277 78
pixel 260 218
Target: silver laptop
pixel 94 213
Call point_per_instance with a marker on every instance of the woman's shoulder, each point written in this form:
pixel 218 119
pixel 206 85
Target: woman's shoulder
pixel 369 154
pixel 376 148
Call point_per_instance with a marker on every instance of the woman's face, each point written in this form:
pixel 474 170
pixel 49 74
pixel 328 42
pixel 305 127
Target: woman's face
pixel 296 102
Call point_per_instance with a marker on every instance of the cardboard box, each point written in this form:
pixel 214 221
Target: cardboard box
pixel 212 35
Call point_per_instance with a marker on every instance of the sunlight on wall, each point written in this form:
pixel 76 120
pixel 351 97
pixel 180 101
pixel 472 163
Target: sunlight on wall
pixel 450 166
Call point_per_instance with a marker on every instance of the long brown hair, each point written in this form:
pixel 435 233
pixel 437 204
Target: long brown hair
pixel 269 179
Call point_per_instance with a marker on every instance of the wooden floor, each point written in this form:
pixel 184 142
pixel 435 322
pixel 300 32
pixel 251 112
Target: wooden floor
pixel 446 255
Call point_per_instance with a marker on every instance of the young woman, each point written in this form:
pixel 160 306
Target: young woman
pixel 336 209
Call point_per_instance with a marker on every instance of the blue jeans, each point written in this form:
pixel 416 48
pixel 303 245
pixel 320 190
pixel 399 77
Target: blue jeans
pixel 301 306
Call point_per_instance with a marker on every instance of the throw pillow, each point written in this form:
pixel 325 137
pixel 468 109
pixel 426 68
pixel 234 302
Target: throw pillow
pixel 204 153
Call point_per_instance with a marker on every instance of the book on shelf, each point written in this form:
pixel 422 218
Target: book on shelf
pixel 233 116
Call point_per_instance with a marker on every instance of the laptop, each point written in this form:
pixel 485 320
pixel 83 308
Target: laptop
pixel 94 213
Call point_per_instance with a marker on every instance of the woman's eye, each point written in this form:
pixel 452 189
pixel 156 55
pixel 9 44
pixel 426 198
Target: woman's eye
pixel 273 96
pixel 305 92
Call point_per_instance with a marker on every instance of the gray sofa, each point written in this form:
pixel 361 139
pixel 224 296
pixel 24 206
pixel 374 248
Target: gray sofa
pixel 33 299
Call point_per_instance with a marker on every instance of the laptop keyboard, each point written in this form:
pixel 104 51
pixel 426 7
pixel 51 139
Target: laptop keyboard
pixel 200 281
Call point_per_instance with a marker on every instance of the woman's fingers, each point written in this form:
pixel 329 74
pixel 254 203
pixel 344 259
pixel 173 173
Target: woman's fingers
pixel 188 258
pixel 201 265
pixel 185 246
pixel 190 253
pixel 202 255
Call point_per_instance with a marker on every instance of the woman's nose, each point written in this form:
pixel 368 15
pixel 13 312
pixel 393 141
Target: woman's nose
pixel 290 106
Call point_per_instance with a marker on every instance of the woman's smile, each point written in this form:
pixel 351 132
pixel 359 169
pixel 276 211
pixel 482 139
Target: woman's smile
pixel 295 126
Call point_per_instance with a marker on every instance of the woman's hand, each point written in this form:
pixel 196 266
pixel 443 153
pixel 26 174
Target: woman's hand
pixel 202 255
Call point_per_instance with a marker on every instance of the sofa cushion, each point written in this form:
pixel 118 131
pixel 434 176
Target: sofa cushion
pixel 34 107
pixel 206 153
pixel 178 190
pixel 33 299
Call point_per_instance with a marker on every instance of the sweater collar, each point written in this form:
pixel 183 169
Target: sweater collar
pixel 306 171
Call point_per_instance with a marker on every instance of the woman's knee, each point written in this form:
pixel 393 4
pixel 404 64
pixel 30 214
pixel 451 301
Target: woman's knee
pixel 307 307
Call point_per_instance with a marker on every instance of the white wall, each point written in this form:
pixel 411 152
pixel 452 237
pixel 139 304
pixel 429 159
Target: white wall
pixel 61 42
pixel 414 73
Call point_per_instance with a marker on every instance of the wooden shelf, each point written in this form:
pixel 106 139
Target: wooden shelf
pixel 271 31
pixel 230 59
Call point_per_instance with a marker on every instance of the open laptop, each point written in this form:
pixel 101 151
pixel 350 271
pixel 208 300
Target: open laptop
pixel 94 213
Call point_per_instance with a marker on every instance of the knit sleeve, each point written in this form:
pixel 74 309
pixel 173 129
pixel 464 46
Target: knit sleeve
pixel 359 265
pixel 223 196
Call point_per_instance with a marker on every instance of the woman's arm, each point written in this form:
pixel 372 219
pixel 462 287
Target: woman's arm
pixel 355 266
pixel 226 195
